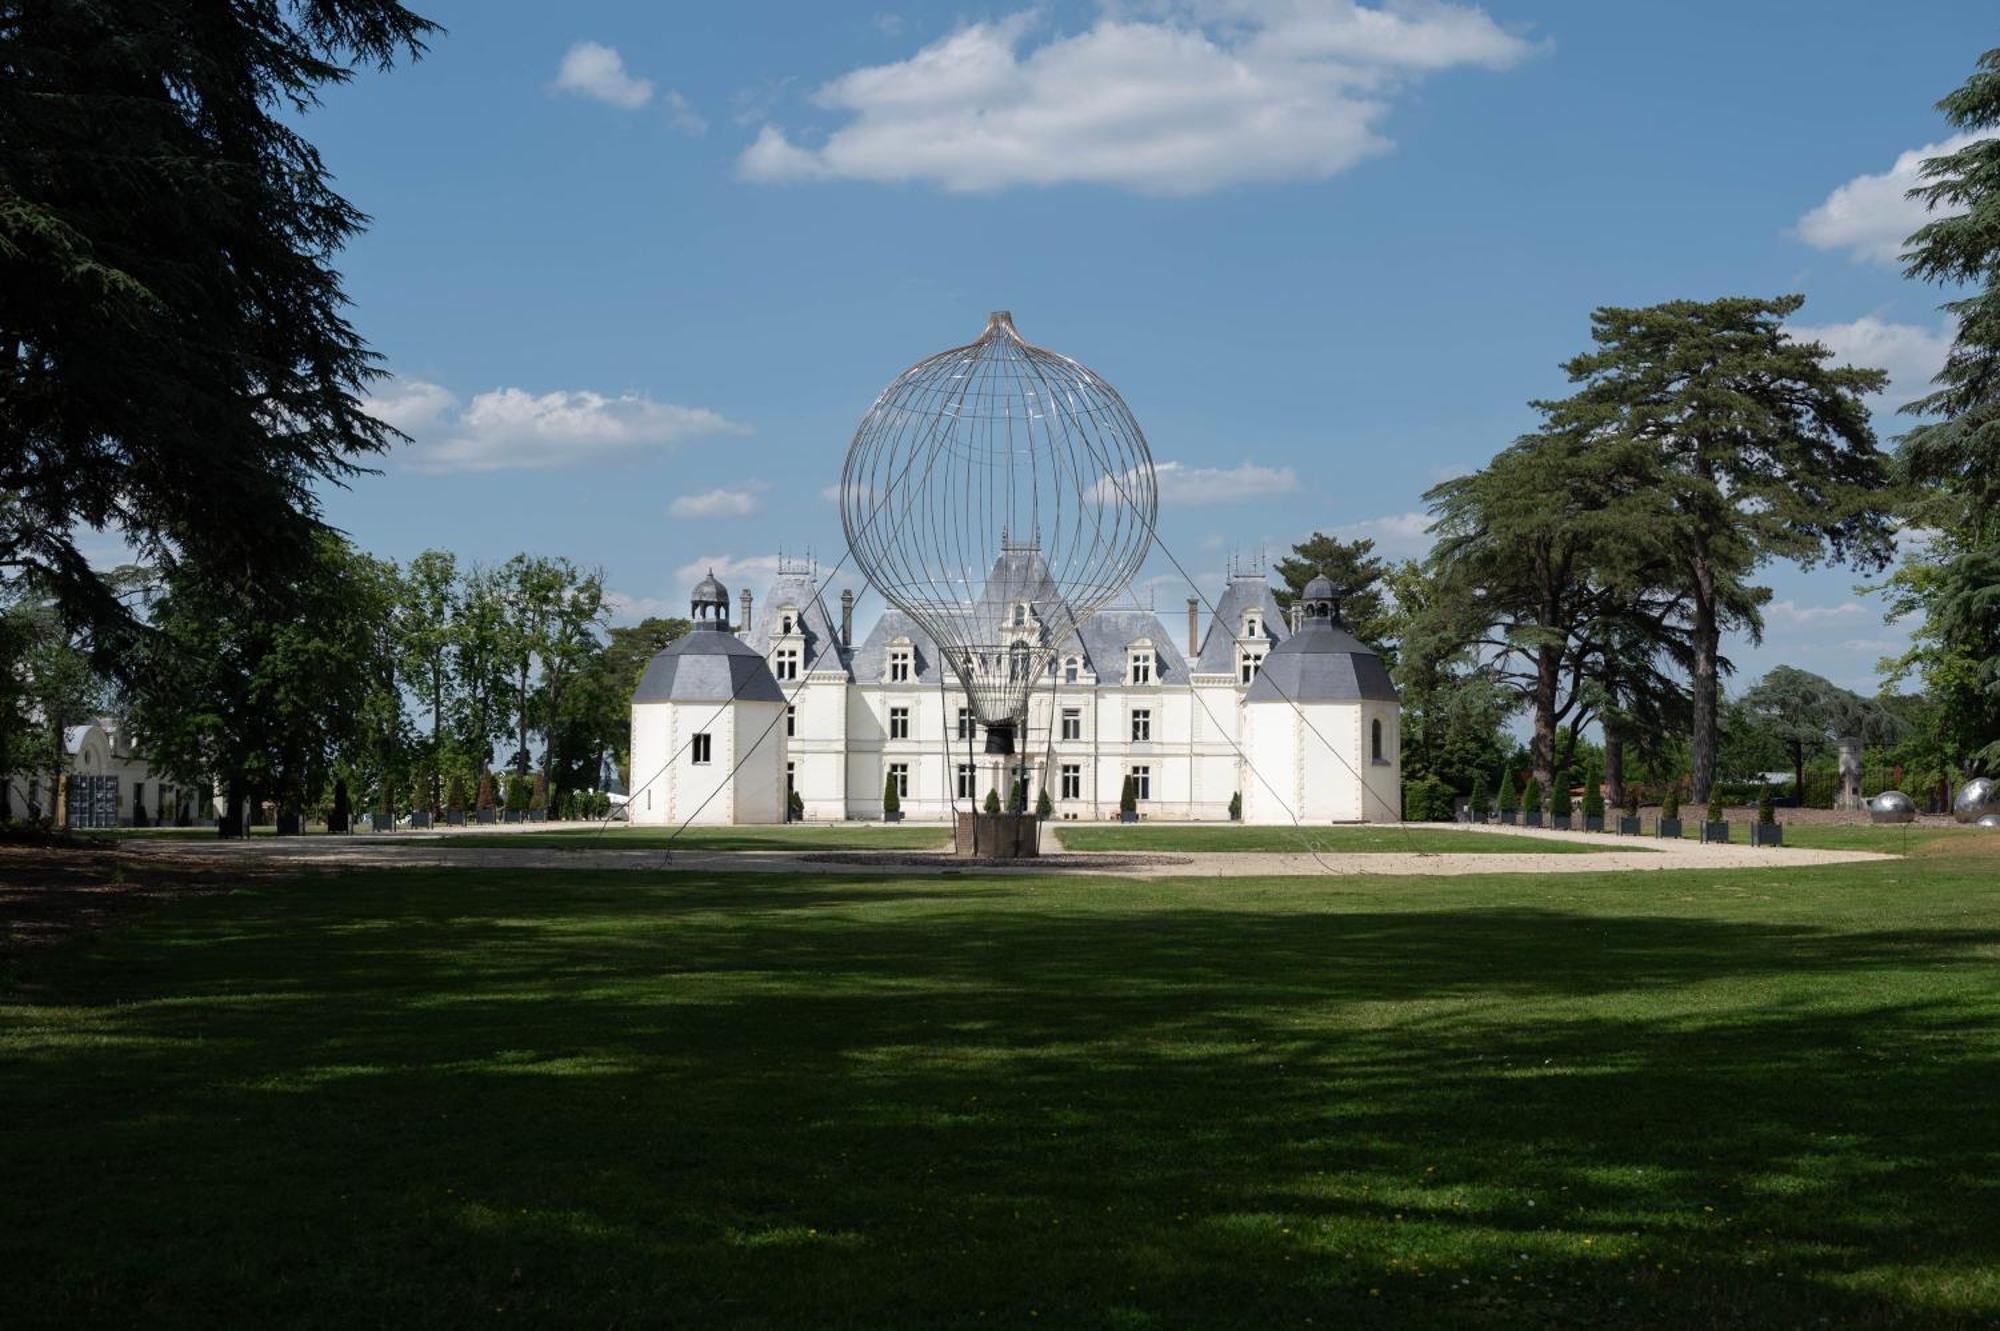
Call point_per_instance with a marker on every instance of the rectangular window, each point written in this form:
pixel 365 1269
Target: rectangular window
pixel 965 723
pixel 900 774
pixel 1251 663
pixel 968 781
pixel 701 749
pixel 791 780
pixel 1142 725
pixel 1071 671
pixel 1142 668
pixel 1072 781
pixel 1072 723
pixel 788 664
pixel 1142 780
pixel 899 723
pixel 899 667
pixel 791 721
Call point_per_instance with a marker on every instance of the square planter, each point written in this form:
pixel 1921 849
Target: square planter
pixel 1531 819
pixel 1669 828
pixel 1509 817
pixel 1124 817
pixel 454 818
pixel 515 816
pixel 382 822
pixel 291 824
pixel 420 820
pixel 1628 826
pixel 1593 823
pixel 892 815
pixel 488 815
pixel 1767 834
pixel 1559 821
pixel 1717 833
pixel 538 815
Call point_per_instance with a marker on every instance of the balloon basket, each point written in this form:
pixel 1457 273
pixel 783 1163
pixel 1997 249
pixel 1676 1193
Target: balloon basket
pixel 999 836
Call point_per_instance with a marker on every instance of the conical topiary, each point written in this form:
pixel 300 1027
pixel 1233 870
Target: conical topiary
pixel 1559 798
pixel 1531 802
pixel 1044 806
pixel 1510 796
pixel 992 804
pixel 1477 801
pixel 1593 796
pixel 484 800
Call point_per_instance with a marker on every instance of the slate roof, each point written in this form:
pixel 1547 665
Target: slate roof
pixel 869 663
pixel 1218 646
pixel 822 638
pixel 708 665
pixel 1322 662
pixel 1108 633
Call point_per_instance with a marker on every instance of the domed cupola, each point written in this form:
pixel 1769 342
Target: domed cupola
pixel 1322 662
pixel 709 606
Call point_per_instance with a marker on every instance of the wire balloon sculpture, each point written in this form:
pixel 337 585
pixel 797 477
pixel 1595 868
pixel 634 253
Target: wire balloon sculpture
pixel 999 495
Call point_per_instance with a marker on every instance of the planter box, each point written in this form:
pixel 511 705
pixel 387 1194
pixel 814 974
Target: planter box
pixel 1628 826
pixel 1717 833
pixel 1509 817
pixel 997 836
pixel 1593 823
pixel 896 816
pixel 515 816
pixel 1669 828
pixel 338 823
pixel 382 822
pixel 1125 817
pixel 454 818
pixel 1559 821
pixel 1767 834
pixel 538 815
pixel 1531 819
pixel 487 815
pixel 420 820
pixel 291 824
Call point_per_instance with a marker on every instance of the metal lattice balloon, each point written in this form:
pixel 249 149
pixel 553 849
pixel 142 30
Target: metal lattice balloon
pixel 999 495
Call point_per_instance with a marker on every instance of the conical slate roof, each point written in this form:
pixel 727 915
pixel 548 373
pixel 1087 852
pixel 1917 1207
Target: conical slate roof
pixel 708 665
pixel 1322 662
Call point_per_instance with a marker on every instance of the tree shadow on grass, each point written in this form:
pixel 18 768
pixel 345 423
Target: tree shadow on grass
pixel 904 1103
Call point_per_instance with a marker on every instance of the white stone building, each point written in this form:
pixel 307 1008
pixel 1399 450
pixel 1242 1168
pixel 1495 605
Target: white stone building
pixel 109 783
pixel 1302 725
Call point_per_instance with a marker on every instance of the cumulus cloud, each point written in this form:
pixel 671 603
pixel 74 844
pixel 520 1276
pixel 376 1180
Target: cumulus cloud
pixel 1910 353
pixel 1791 612
pixel 511 428
pixel 734 572
pixel 1871 215
pixel 597 71
pixel 1211 93
pixel 718 503
pixel 682 115
pixel 1183 485
pixel 1405 535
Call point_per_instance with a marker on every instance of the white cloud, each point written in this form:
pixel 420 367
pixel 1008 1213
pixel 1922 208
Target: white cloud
pixel 1183 485
pixel 682 115
pixel 513 428
pixel 1791 612
pixel 591 69
pixel 1909 353
pixel 629 609
pixel 1212 93
pixel 716 503
pixel 734 572
pixel 1405 535
pixel 1871 215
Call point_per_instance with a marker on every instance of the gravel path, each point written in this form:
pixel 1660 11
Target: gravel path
pixel 417 850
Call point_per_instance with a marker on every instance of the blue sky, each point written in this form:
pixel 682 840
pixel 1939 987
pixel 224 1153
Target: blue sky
pixel 639 268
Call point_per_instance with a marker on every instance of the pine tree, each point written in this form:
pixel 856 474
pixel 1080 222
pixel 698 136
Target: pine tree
pixel 177 358
pixel 1510 799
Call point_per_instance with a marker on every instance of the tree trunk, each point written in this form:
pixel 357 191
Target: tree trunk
pixel 1707 642
pixel 521 758
pixel 236 796
pixel 1614 767
pixel 1542 751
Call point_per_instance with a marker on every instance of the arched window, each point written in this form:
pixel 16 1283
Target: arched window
pixel 1375 737
pixel 1072 670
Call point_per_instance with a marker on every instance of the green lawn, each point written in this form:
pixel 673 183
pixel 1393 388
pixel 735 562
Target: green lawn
pixel 1381 838
pixel 425 1097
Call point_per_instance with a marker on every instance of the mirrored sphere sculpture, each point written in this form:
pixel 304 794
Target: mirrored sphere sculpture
pixel 1976 798
pixel 1892 806
pixel 999 494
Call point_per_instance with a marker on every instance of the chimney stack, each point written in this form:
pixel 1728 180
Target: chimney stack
pixel 1194 628
pixel 847 617
pixel 745 625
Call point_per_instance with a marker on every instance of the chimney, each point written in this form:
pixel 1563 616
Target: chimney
pixel 1194 628
pixel 745 625
pixel 847 617
pixel 1295 615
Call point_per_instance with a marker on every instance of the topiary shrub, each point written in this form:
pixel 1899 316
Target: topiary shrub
pixel 1767 813
pixel 1593 796
pixel 1510 795
pixel 1531 802
pixel 538 794
pixel 1236 806
pixel 1559 798
pixel 1715 814
pixel 892 799
pixel 517 793
pixel 1670 803
pixel 992 804
pixel 1017 795
pixel 454 798
pixel 1044 806
pixel 1477 801
pixel 1128 795
pixel 795 806
pixel 1631 802
pixel 484 800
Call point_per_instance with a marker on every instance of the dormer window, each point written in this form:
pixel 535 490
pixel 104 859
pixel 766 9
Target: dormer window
pixel 788 621
pixel 1248 663
pixel 1140 665
pixel 1253 625
pixel 1072 670
pixel 901 665
pixel 1020 614
pixel 786 664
